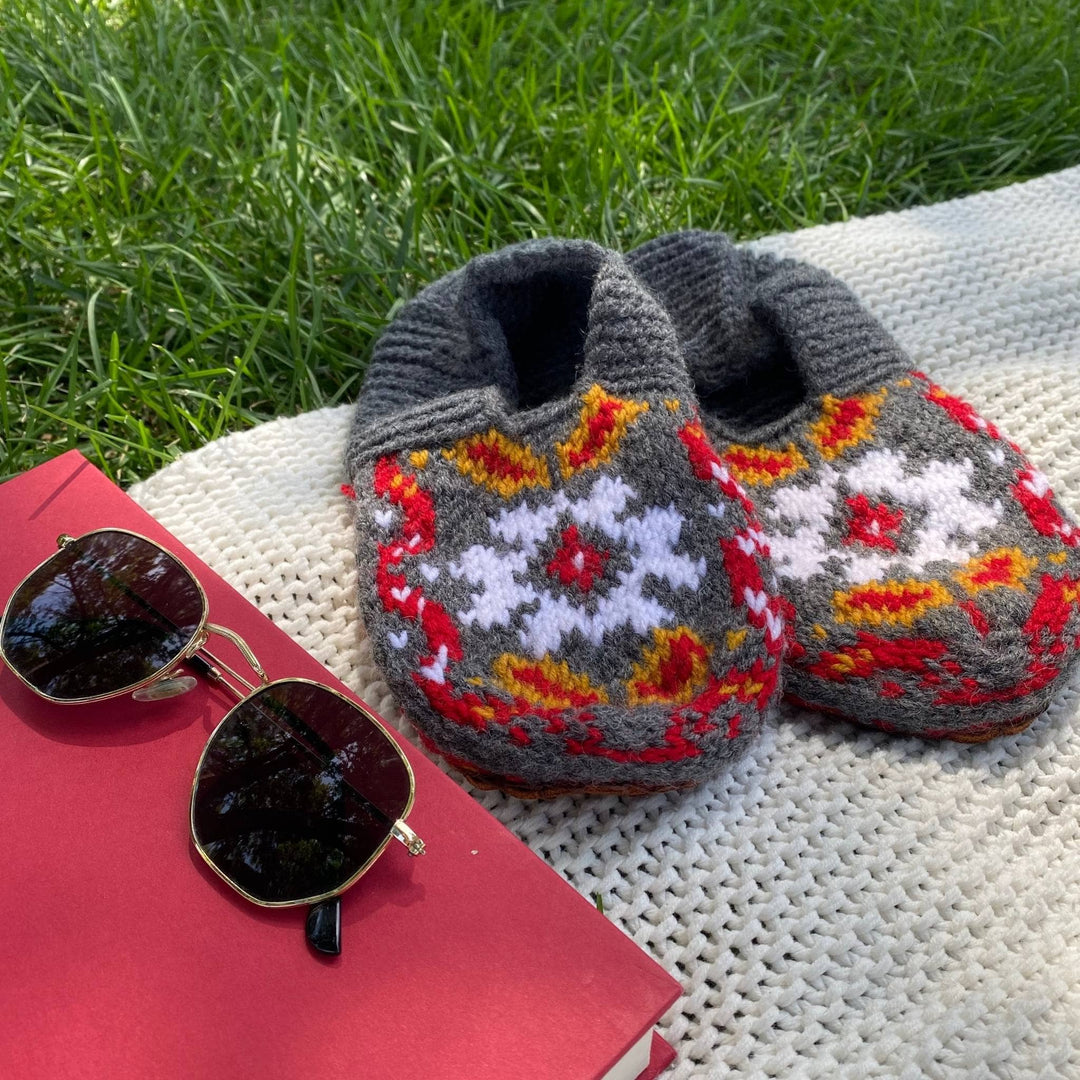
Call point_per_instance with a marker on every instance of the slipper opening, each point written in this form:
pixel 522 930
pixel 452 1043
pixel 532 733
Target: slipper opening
pixel 543 321
pixel 757 390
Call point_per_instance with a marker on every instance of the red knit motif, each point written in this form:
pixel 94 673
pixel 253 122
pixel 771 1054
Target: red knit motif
pixel 1045 631
pixel 741 552
pixel 419 511
pixel 477 710
pixel 892 601
pixel 599 429
pixel 1036 499
pixel 495 461
pixel 417 531
pixel 871 654
pixel 1045 628
pixel 748 589
pixel 418 535
pixel 978 618
pixel 844 424
pixel 793 648
pixel 960 410
pixel 1055 604
pixel 677 747
pixel 970 692
pixel 873 526
pixel 686 656
pixel 756 685
pixel 707 465
pixel 577 563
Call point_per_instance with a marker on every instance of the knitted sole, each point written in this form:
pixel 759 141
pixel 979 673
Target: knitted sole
pixel 980 733
pixel 487 782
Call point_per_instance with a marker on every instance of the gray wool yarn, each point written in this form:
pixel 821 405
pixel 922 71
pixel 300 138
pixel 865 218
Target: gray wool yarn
pixel 933 580
pixel 563 585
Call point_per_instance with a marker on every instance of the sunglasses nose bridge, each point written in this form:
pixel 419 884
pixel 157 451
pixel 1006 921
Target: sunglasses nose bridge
pixel 240 643
pixel 213 667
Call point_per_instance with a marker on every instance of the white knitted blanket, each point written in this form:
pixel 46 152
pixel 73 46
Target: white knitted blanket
pixel 845 903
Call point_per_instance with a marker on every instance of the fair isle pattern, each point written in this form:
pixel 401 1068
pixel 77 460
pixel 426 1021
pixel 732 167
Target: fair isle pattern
pixel 503 573
pixel 934 583
pixel 606 648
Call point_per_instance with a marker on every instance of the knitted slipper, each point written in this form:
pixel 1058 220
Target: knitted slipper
pixel 934 579
pixel 563 585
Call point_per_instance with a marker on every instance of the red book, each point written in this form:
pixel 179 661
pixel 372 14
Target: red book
pixel 122 954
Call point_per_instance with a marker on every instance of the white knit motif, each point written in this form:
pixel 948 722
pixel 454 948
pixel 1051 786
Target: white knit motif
pixel 844 904
pixel 648 538
pixel 799 519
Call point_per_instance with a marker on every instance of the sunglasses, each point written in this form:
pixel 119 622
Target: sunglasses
pixel 298 790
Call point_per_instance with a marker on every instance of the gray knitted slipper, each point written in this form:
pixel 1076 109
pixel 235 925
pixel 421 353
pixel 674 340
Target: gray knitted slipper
pixel 935 581
pixel 563 584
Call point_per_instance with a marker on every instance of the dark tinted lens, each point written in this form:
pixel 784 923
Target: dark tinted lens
pixel 296 791
pixel 105 613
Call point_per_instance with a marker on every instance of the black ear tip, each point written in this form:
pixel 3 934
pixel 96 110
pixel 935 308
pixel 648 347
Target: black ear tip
pixel 323 927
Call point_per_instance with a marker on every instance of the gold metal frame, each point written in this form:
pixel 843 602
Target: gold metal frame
pixel 197 640
pixel 399 830
pixel 216 669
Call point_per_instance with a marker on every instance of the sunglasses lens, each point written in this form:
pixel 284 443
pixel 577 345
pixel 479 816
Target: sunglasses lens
pixel 105 613
pixel 296 791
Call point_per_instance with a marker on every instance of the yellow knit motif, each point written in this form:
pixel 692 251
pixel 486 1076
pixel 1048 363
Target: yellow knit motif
pixel 668 677
pixel 845 422
pixel 498 463
pixel 759 466
pixel 889 603
pixel 600 430
pixel 546 682
pixel 1002 568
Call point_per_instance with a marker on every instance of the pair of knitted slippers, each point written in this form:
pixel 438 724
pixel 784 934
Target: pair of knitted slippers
pixel 609 508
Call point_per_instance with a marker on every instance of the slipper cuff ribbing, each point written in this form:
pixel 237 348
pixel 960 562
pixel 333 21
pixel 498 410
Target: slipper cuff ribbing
pixel 443 365
pixel 738 311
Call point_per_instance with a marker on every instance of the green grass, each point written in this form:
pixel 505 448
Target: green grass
pixel 209 209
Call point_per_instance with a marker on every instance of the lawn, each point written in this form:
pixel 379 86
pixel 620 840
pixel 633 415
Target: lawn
pixel 210 209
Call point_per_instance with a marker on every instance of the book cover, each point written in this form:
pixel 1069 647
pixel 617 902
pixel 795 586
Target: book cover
pixel 124 955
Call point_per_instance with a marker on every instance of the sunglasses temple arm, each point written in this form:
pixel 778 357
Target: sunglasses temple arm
pixel 404 835
pixel 323 926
